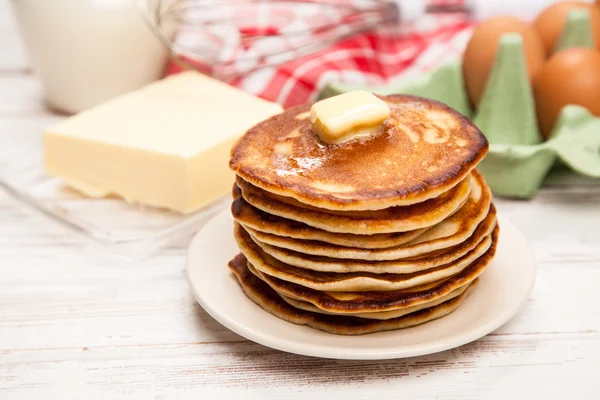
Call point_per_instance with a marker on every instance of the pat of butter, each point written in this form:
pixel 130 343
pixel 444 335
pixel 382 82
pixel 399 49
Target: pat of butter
pixel 165 145
pixel 343 117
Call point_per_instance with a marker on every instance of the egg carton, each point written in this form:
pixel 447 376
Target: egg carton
pixel 519 159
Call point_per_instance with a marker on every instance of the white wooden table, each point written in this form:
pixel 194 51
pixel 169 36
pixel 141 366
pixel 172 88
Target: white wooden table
pixel 74 327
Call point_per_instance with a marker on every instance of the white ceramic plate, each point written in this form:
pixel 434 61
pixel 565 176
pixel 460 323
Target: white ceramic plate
pixel 504 288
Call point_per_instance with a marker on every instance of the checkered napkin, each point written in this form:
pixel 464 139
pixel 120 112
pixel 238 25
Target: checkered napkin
pixel 376 57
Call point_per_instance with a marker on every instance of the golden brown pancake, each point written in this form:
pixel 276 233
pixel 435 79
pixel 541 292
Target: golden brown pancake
pixel 362 281
pixel 259 292
pixel 450 232
pixel 399 266
pixel 253 218
pixel 394 219
pixel 382 315
pixel 354 302
pixel 425 149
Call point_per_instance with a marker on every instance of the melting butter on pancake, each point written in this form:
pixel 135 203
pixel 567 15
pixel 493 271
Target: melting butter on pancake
pixel 265 297
pixel 450 232
pixel 383 315
pixel 355 281
pixel 258 221
pixel 394 219
pixel 360 302
pixel 400 266
pixel 425 149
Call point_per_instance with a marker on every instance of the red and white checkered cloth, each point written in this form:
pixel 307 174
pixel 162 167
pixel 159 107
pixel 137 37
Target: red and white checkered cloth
pixel 372 58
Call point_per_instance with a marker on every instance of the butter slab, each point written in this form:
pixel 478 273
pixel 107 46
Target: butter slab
pixel 165 145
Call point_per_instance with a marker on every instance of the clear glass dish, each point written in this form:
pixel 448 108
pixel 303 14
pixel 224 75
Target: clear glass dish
pixel 113 227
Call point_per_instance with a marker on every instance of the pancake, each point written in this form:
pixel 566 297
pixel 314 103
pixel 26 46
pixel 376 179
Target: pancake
pixel 261 222
pixel 425 149
pixel 450 232
pixel 355 302
pixel 361 281
pixel 265 297
pixel 383 315
pixel 400 266
pixel 394 219
pixel 236 192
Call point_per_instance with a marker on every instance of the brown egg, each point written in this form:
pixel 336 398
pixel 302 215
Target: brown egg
pixel 571 76
pixel 481 51
pixel 551 22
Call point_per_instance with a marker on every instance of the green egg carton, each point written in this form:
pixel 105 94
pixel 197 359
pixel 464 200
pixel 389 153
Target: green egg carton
pixel 518 160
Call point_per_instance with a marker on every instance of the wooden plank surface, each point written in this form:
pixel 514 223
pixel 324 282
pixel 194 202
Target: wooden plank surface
pixel 75 326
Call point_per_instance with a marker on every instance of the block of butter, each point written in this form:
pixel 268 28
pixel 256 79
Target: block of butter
pixel 348 115
pixel 165 145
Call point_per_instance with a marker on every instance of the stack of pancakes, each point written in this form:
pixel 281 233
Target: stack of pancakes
pixel 373 234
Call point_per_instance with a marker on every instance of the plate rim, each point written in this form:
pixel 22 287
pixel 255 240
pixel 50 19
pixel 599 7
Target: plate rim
pixel 324 351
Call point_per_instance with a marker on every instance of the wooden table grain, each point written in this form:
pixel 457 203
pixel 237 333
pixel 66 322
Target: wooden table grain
pixel 74 327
